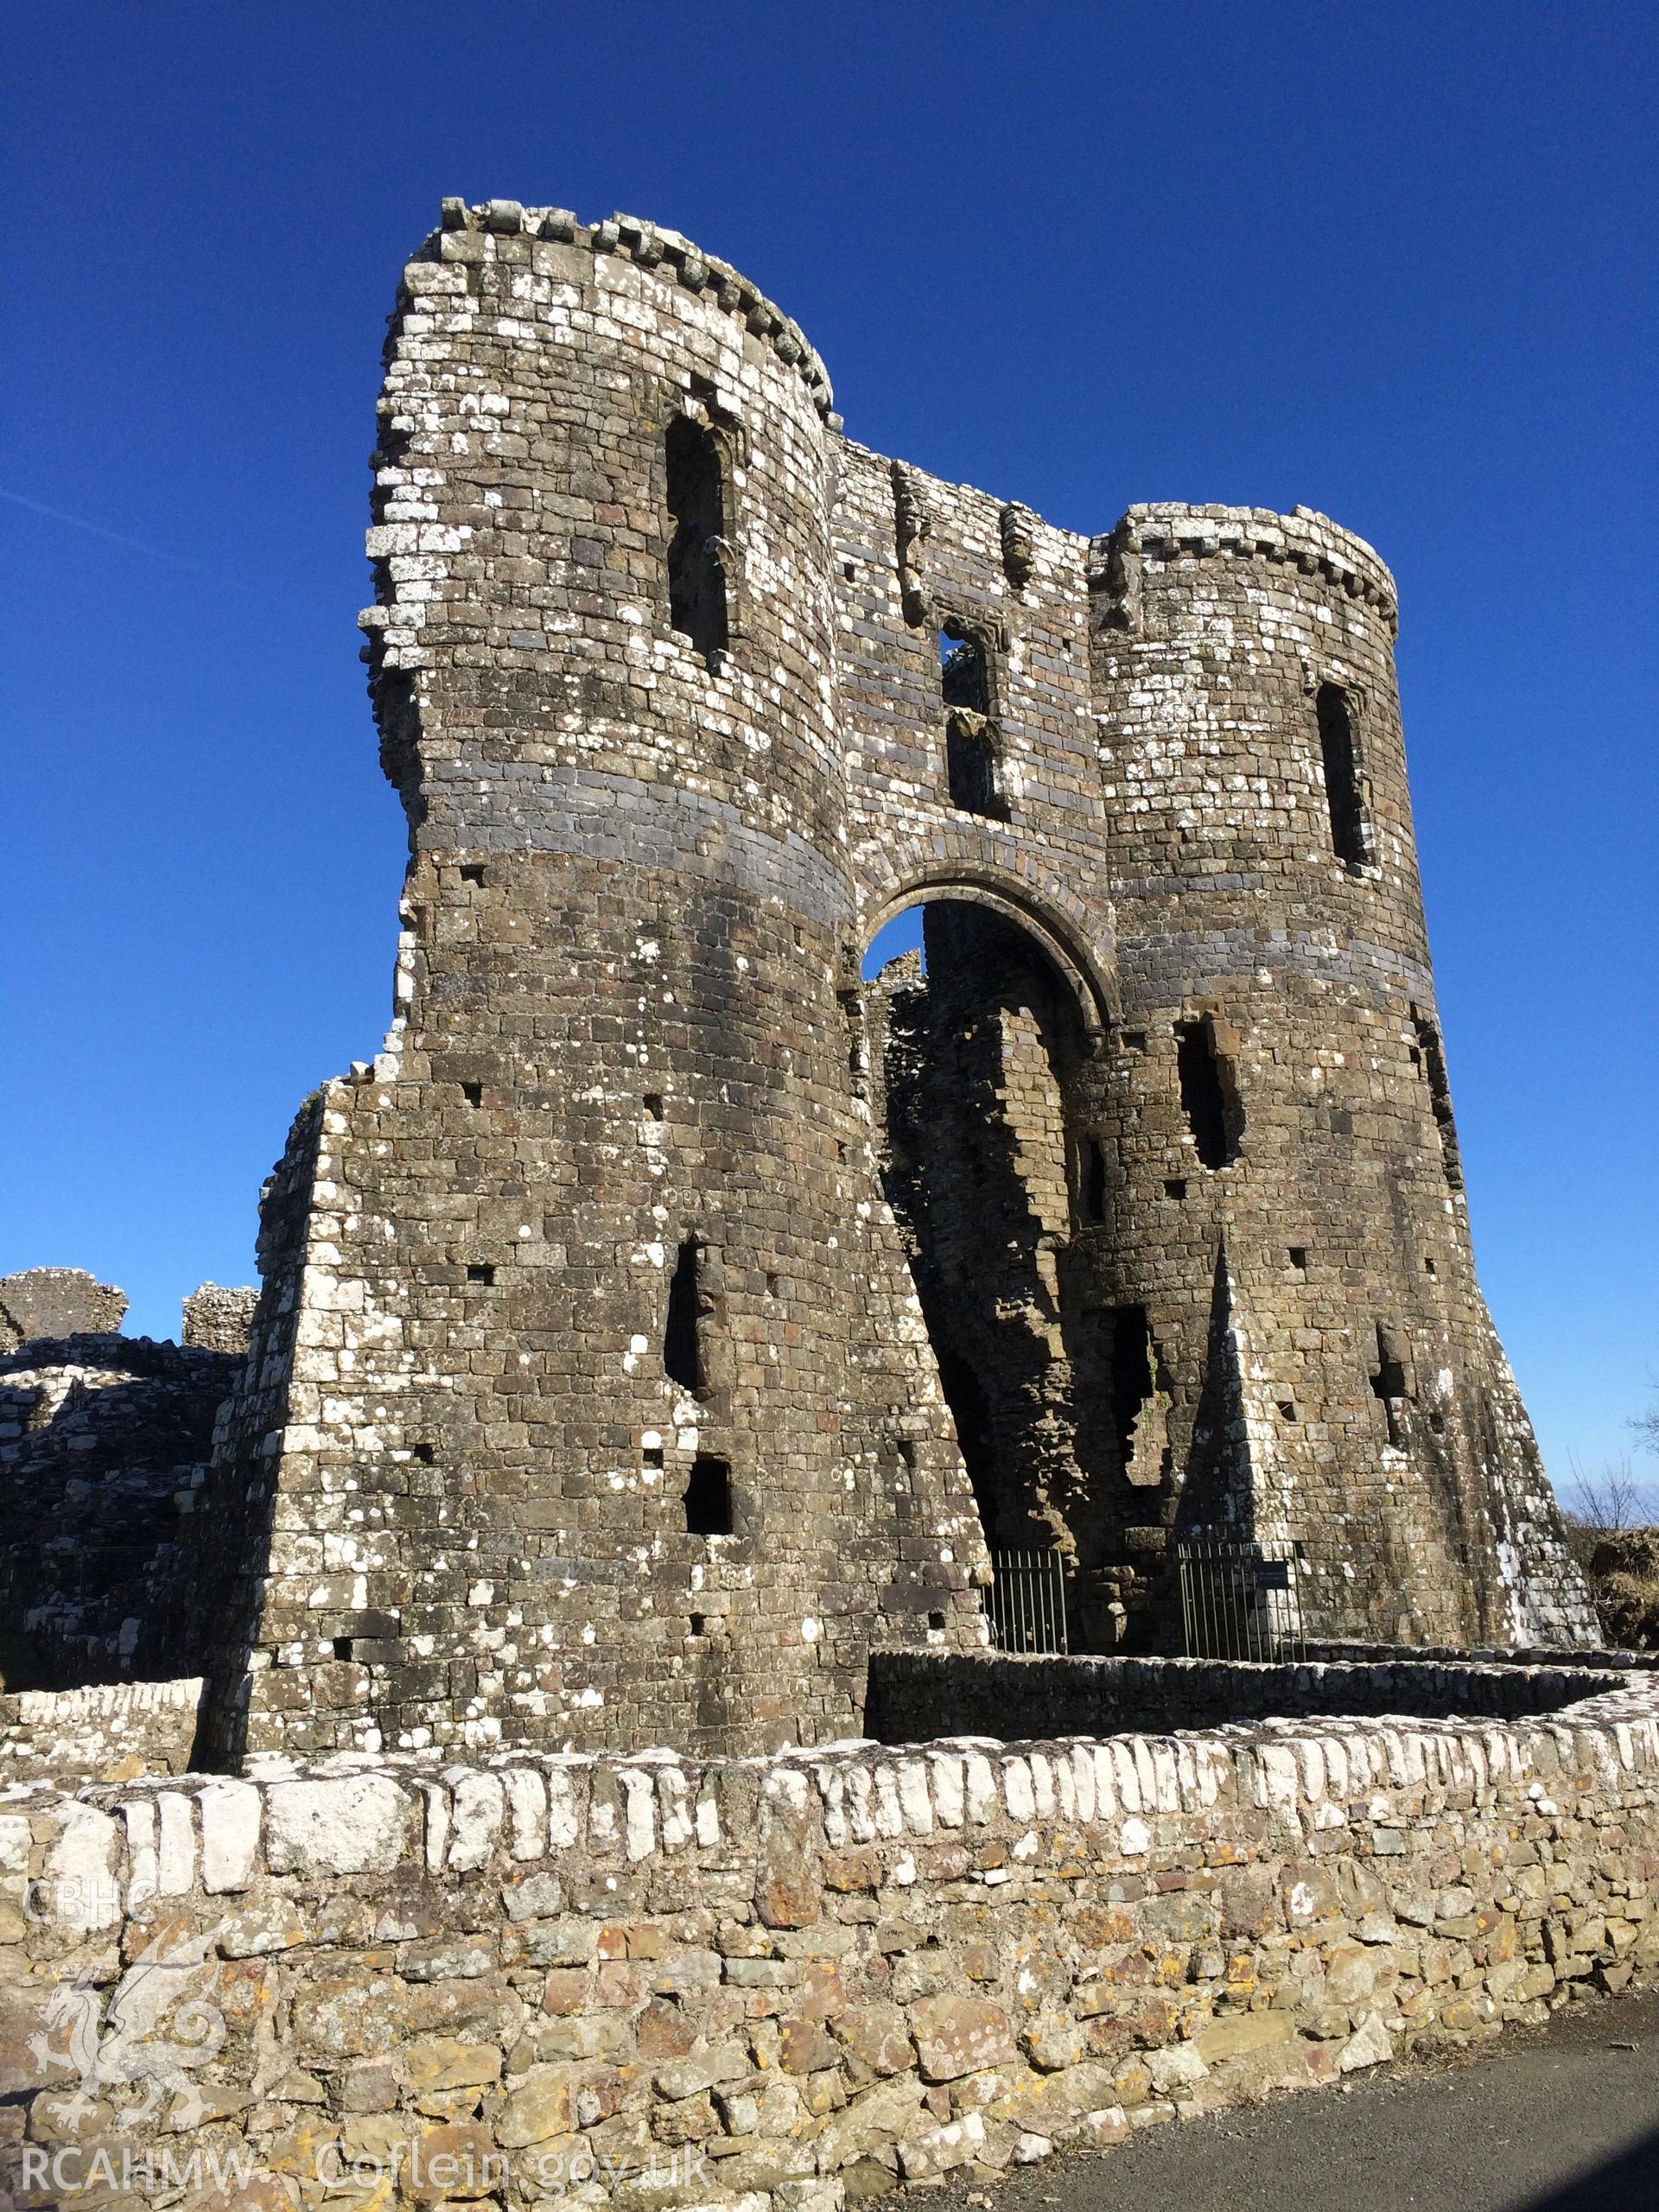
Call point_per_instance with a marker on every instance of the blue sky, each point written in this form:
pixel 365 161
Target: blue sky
pixel 1394 263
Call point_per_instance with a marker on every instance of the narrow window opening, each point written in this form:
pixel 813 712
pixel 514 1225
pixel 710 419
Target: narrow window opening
pixel 1175 1187
pixel 849 569
pixel 1389 1383
pixel 1134 1041
pixel 969 740
pixel 697 1624
pixel 1431 1058
pixel 1093 1180
pixel 653 1455
pixel 964 680
pixel 342 1647
pixel 696 586
pixel 477 1271
pixel 971 768
pixel 1341 784
pixel 682 1351
pixel 654 1105
pixel 709 1496
pixel 1429 1268
pixel 1287 1407
pixel 472 871
pixel 935 1621
pixel 1209 1094
pixel 473 1093
pixel 425 1454
pixel 772 1285
pixel 1299 1258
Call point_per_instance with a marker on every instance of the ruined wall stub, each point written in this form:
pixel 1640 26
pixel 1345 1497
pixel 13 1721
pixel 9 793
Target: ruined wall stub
pixel 592 1261
pixel 57 1302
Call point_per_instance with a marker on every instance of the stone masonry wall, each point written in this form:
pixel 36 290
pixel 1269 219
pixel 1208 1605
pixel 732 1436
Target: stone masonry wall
pixel 57 1302
pixel 104 1447
pixel 591 1400
pixel 485 1502
pixel 775 1985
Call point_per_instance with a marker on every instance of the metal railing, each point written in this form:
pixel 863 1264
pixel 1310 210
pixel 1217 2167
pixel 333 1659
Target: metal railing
pixel 1026 1602
pixel 1239 1601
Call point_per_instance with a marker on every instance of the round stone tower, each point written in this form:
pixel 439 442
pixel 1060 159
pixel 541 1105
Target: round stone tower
pixel 610 1414
pixel 1289 1199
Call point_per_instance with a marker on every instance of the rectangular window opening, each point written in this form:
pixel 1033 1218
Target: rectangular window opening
pixel 342 1647
pixel 971 768
pixel 1299 1257
pixel 1209 1093
pixel 478 1271
pixel 964 674
pixel 653 1105
pixel 473 1093
pixel 1175 1187
pixel 653 1455
pixel 709 1496
pixel 471 872
pixel 1341 780
pixel 970 757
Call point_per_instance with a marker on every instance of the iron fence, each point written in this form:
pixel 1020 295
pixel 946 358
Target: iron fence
pixel 1239 1601
pixel 1026 1602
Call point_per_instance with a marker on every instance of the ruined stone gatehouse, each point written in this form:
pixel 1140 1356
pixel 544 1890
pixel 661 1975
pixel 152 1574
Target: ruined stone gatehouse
pixel 668 1316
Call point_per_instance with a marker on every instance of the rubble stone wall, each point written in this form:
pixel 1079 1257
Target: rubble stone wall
pixel 218 1318
pixel 57 1302
pixel 104 1442
pixel 776 1983
pixel 111 1731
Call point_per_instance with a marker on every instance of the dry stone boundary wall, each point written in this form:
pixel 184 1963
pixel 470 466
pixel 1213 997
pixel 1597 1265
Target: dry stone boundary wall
pixel 782 1982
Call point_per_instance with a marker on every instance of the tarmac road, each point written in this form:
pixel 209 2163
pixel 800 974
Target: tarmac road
pixel 1560 2118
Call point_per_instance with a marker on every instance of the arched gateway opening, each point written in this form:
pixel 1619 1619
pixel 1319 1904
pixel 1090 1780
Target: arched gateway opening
pixel 997 1159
